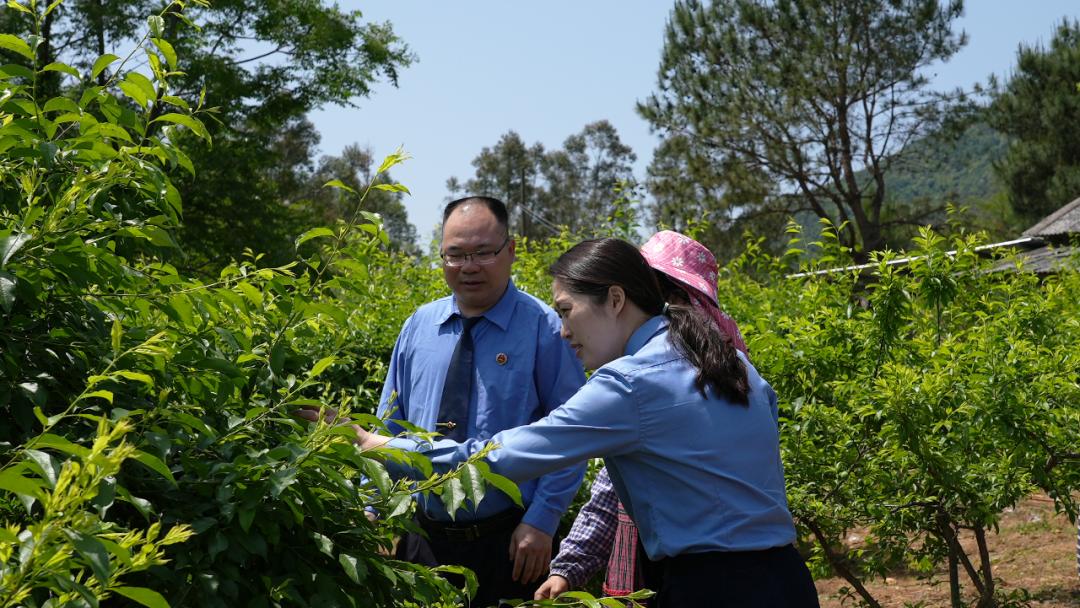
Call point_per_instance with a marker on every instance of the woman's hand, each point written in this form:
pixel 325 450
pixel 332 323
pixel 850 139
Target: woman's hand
pixel 552 588
pixel 365 439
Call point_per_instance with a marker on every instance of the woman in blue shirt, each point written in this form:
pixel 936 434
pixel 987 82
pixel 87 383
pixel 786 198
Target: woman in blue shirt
pixel 686 427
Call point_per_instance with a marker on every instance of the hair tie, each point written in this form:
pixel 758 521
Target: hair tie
pixel 664 312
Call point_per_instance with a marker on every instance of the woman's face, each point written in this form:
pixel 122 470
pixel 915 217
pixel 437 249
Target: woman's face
pixel 591 328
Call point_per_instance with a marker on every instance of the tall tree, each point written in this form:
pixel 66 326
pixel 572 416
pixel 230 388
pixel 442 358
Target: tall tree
pixel 510 171
pixel 572 186
pixel 1037 109
pixel 581 178
pixel 806 93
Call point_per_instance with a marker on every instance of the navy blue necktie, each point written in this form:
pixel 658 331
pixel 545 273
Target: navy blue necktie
pixel 454 408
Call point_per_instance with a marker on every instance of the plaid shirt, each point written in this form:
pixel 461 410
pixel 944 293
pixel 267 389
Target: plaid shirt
pixel 587 547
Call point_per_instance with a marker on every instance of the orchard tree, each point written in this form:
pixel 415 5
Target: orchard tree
pixel 820 98
pixel 1037 109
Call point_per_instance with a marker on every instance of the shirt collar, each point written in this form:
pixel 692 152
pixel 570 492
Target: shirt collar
pixel 499 314
pixel 653 327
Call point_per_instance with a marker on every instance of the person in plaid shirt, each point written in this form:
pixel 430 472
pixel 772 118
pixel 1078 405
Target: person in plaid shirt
pixel 603 533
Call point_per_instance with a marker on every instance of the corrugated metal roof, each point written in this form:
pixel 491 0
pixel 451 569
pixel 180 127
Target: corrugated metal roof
pixel 1063 222
pixel 1044 260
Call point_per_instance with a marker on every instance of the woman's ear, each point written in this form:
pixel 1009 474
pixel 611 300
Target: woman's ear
pixel 616 298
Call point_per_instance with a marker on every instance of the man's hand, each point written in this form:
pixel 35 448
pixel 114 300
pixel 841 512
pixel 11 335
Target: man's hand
pixel 552 588
pixel 364 439
pixel 531 551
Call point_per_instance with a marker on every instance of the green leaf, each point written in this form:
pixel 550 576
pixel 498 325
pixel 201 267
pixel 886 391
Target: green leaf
pixel 279 480
pixel 321 231
pixel 117 550
pixel 103 394
pixel 321 366
pixel 246 516
pixel 355 569
pixel 94 553
pixel 392 188
pixel 17 45
pixel 340 185
pixel 7 291
pixel 13 4
pixel 134 92
pixel 136 376
pixel 102 62
pixel 167 50
pixel 62 104
pixel 48 465
pixel 155 464
pixel 144 84
pixel 116 335
pixel 453 495
pixel 472 480
pixel 277 358
pixel 501 483
pixel 9 245
pixel 582 597
pixel 146 597
pixel 10 70
pixel 188 121
pixel 56 66
pixel 471 584
pixel 157 25
pixel 251 292
pixel 326 546
pixel 56 442
pixel 12 481
pixel 377 473
pixel 397 157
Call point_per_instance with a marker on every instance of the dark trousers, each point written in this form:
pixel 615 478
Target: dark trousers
pixel 774 578
pixel 483 548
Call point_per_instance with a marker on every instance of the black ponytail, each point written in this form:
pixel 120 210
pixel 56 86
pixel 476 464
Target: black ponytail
pixel 591 267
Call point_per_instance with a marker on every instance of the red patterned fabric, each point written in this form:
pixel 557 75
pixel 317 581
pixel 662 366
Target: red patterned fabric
pixel 623 571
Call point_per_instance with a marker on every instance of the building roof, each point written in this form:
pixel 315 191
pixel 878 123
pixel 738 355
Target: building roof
pixel 1042 260
pixel 1061 223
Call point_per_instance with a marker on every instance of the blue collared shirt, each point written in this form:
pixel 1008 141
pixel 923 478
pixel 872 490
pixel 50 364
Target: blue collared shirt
pixel 524 370
pixel 696 473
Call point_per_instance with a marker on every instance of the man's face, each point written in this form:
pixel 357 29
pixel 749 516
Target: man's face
pixel 472 228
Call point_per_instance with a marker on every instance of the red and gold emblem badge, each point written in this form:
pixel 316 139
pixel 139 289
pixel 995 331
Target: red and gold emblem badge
pixel 501 358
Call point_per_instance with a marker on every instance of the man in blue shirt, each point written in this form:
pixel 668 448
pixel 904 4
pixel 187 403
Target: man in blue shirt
pixel 521 371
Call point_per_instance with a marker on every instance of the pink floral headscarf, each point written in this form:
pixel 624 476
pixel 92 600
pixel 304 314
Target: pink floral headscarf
pixel 691 265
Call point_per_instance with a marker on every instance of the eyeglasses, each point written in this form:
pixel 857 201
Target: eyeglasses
pixel 483 258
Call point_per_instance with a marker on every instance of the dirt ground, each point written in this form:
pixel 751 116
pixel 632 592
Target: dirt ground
pixel 1035 550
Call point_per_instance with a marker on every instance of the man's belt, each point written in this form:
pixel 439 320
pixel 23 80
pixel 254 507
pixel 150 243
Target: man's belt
pixel 468 531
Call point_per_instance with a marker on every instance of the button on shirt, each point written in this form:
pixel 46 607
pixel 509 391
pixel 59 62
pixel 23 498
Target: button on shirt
pixel 524 370
pixel 696 473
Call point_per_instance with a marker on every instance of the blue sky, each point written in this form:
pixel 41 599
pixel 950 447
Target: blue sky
pixel 546 69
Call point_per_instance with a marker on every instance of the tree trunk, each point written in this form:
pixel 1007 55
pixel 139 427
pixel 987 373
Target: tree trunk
pixel 954 579
pixel 838 564
pixel 986 599
pixel 48 82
